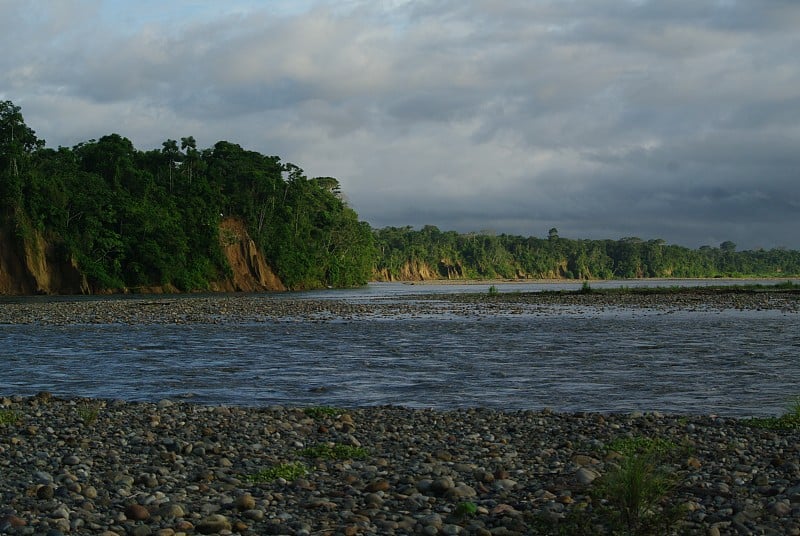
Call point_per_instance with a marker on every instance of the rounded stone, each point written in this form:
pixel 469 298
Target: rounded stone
pixel 254 514
pixel 45 492
pixel 442 485
pixel 585 476
pixel 90 492
pixel 377 485
pixel 245 502
pixel 171 510
pixel 213 524
pixel 137 512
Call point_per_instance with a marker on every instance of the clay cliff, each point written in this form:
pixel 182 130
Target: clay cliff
pixel 250 271
pixel 421 271
pixel 35 265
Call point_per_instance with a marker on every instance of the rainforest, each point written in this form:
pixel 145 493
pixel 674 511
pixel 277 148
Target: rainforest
pixel 106 217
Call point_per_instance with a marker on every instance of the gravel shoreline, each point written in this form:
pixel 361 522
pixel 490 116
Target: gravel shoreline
pixel 237 308
pixel 78 466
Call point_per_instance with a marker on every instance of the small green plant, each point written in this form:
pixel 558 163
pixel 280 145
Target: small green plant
pixel 633 496
pixel 334 452
pixel 89 412
pixel 318 412
pixel 8 416
pixel 465 510
pixel 788 421
pixel 493 291
pixel 585 288
pixel 287 471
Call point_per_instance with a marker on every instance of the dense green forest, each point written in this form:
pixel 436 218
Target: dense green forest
pixel 134 218
pixel 471 256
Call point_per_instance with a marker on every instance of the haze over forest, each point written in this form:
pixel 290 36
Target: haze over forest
pixel 671 120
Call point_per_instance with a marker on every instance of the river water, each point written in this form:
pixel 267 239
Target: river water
pixel 728 362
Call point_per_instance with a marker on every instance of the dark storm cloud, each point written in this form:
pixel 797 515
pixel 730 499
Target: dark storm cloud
pixel 675 120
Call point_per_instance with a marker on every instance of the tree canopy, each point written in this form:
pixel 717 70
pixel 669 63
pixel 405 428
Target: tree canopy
pixel 134 218
pixel 481 256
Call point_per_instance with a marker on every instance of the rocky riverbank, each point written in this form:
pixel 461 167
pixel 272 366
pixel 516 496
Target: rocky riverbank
pixel 115 468
pixel 236 308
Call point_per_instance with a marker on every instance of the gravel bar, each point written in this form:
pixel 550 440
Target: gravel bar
pixel 237 308
pixel 85 466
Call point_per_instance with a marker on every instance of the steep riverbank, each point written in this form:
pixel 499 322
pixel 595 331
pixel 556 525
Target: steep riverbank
pixel 103 467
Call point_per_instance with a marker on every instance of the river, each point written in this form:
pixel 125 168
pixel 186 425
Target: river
pixel 727 362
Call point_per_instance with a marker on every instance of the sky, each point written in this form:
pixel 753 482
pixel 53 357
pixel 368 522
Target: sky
pixel 673 120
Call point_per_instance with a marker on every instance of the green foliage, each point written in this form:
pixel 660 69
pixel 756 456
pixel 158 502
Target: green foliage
pixel 322 411
pixel 8 416
pixel 643 446
pixel 287 471
pixel 633 496
pixel 465 510
pixel 485 256
pixel 493 291
pixel 133 219
pixel 788 421
pixel 88 412
pixel 585 288
pixel 334 452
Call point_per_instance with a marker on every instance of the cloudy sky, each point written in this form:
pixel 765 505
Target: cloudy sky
pixel 603 118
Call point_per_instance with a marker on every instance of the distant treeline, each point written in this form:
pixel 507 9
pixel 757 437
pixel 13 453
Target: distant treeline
pixel 129 218
pixel 480 256
pixel 132 218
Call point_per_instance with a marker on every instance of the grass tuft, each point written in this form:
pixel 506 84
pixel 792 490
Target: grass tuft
pixel 788 421
pixel 287 471
pixel 9 416
pixel 89 412
pixel 334 452
pixel 634 496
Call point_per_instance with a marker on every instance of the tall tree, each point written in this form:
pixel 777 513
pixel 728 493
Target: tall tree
pixel 17 142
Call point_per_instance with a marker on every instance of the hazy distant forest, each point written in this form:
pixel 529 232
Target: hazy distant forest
pixel 134 218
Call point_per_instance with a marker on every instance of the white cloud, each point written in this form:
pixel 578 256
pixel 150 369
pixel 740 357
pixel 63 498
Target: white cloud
pixel 656 119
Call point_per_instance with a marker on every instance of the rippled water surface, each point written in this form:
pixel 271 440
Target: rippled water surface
pixel 727 362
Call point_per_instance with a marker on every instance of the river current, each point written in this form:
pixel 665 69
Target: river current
pixel 727 362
